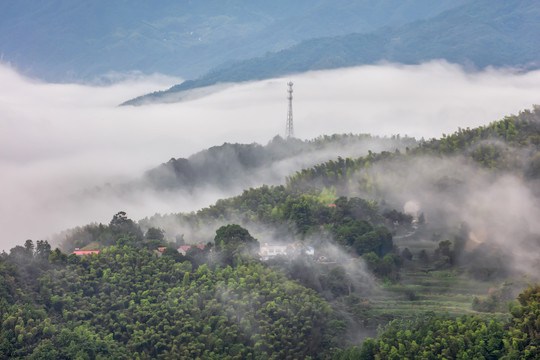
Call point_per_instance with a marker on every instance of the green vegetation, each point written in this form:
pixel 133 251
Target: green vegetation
pixel 128 303
pixel 498 146
pixel 466 337
pixel 436 285
pixel 231 165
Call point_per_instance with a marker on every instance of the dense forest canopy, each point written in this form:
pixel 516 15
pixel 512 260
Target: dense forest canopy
pixel 435 244
pixel 240 166
pixel 343 247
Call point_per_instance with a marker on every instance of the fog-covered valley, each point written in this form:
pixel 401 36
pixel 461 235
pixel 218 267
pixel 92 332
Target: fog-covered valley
pixel 329 180
pixel 60 142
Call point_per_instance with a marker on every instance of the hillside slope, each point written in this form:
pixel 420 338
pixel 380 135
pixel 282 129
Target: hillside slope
pixel 242 166
pixel 60 40
pixel 369 264
pixel 477 34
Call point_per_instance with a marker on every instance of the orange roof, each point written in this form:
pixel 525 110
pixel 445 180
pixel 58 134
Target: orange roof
pixel 85 252
pixel 161 249
pixel 331 205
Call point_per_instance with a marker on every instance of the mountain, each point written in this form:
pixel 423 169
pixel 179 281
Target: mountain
pixel 448 179
pixel 226 170
pixel 240 166
pixel 433 283
pixel 61 41
pixel 476 34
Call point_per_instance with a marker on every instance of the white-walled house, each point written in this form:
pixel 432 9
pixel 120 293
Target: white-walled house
pixel 268 251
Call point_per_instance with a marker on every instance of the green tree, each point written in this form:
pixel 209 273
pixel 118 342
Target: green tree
pixel 29 246
pixel 407 254
pixel 525 332
pixel 123 228
pixel 234 242
pixel 43 249
pixel 155 234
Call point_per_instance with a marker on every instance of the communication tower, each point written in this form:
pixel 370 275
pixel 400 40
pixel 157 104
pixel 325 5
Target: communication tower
pixel 290 129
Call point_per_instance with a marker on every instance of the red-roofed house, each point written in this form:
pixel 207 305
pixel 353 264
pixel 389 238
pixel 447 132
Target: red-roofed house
pixel 85 252
pixel 184 248
pixel 160 250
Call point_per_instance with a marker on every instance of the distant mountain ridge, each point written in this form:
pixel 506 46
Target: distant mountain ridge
pixel 63 41
pixel 245 165
pixel 476 35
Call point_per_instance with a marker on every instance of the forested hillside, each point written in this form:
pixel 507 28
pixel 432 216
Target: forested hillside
pixel 476 34
pixel 241 166
pixel 61 41
pixel 437 244
pixel 510 145
pixel 127 303
pixel 467 337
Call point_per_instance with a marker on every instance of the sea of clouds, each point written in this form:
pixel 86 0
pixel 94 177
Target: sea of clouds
pixel 57 140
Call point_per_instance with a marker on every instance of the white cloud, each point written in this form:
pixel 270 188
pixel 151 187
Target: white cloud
pixel 56 139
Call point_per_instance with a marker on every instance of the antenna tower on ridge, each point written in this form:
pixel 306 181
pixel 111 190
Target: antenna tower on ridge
pixel 290 129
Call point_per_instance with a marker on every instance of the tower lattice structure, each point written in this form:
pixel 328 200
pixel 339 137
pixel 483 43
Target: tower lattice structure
pixel 290 128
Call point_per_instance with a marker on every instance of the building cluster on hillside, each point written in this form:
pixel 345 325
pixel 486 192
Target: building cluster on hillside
pixel 266 252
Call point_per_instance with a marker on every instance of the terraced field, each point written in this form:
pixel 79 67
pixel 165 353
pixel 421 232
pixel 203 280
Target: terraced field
pixel 422 290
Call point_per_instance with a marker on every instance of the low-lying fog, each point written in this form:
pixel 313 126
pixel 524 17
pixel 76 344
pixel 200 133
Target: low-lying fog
pixel 58 140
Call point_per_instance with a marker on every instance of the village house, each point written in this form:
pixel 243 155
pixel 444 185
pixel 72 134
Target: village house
pixel 184 248
pixel 268 251
pixel 160 250
pixel 85 252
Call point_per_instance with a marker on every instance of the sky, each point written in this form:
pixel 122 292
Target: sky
pixel 56 140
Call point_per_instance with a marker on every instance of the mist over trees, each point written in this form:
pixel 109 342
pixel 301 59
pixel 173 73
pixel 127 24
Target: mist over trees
pixel 435 243
pixel 240 166
pixel 465 337
pixel 127 303
pixel 342 247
